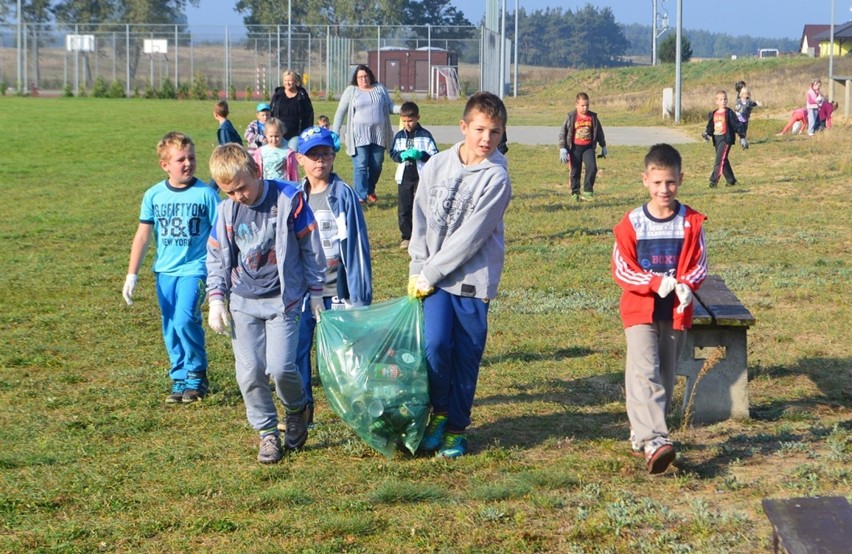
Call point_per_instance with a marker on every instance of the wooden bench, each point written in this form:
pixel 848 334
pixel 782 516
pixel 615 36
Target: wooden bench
pixel 819 525
pixel 720 324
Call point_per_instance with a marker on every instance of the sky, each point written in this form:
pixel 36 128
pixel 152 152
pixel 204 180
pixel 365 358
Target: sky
pixel 763 18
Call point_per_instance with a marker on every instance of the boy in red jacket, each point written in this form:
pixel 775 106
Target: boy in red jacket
pixel 658 261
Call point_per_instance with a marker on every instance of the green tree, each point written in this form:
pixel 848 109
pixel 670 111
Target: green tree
pixel 667 49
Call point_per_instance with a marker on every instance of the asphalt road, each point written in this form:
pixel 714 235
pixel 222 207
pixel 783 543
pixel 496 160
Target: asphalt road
pixel 615 136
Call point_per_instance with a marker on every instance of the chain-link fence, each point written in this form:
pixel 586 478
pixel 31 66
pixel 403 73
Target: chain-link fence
pixel 236 61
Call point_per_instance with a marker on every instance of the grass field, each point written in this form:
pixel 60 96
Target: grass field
pixel 92 460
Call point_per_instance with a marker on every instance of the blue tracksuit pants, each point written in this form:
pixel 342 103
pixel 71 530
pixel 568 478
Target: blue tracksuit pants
pixel 455 329
pixel 180 299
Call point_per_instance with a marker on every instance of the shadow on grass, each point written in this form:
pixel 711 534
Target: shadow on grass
pixel 557 355
pixel 833 377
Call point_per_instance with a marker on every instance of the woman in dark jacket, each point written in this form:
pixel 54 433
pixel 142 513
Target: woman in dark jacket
pixel 291 104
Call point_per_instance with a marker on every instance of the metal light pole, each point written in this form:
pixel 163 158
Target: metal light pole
pixel 289 30
pixel 678 62
pixel 515 88
pixel 20 40
pixel 831 55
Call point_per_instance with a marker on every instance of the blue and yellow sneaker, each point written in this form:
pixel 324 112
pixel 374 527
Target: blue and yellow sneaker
pixel 434 435
pixel 454 445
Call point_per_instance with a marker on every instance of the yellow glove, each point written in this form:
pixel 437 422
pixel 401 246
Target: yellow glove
pixel 419 287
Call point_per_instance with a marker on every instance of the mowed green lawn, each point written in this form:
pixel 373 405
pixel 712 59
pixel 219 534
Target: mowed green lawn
pixel 92 460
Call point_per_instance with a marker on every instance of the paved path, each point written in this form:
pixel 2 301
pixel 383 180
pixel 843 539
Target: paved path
pixel 615 136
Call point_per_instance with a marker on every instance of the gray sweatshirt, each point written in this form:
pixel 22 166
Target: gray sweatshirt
pixel 457 240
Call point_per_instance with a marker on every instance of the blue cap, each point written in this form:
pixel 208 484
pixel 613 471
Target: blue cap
pixel 263 106
pixel 313 137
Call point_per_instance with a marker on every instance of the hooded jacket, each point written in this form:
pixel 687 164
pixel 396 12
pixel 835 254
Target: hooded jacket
pixel 457 240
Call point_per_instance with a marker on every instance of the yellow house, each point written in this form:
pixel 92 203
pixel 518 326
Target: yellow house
pixel 842 41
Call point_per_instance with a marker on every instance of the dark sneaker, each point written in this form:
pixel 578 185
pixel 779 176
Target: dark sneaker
pixel 176 396
pixel 296 429
pixel 434 435
pixel 659 457
pixel 309 408
pixel 712 185
pixel 453 446
pixel 270 449
pixel 587 196
pixel 196 387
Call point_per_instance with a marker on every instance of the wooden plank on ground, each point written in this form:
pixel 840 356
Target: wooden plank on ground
pixel 723 304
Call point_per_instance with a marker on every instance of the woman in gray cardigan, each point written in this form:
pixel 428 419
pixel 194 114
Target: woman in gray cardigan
pixel 366 106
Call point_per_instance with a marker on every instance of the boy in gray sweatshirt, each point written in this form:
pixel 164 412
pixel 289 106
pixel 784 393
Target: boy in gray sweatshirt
pixel 457 253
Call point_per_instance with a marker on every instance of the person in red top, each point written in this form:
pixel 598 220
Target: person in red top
pixel 722 126
pixel 578 139
pixel 799 115
pixel 658 260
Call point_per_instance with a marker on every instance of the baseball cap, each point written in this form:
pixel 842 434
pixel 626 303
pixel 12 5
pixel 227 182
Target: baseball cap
pixel 263 106
pixel 313 137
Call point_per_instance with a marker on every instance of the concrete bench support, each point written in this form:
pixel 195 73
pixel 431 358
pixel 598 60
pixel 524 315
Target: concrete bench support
pixel 818 525
pixel 720 324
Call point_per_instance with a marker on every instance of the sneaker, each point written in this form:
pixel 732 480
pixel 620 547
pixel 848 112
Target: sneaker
pixel 296 429
pixel 196 387
pixel 575 198
pixel 270 449
pixel 453 446
pixel 587 196
pixel 731 184
pixel 372 198
pixel 635 449
pixel 659 454
pixel 712 185
pixel 404 244
pixel 176 396
pixel 434 435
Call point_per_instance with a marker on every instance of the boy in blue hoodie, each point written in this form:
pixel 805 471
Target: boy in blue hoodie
pixel 457 253
pixel 263 256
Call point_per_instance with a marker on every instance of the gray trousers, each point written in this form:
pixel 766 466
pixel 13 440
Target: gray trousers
pixel 265 338
pixel 653 351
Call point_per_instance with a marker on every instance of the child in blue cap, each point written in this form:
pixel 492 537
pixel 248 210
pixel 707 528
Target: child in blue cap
pixel 254 134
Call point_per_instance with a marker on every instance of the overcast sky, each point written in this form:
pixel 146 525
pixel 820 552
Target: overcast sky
pixel 765 18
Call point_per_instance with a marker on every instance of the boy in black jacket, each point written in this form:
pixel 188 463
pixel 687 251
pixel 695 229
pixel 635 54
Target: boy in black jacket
pixel 723 125
pixel 578 139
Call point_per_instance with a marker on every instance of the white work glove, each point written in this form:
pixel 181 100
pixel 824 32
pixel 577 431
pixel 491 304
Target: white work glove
pixel 219 318
pixel 744 143
pixel 129 287
pixel 604 152
pixel 666 286
pixel 563 155
pixel 684 294
pixel 317 306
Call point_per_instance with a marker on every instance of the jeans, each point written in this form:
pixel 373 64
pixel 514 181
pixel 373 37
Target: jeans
pixel 307 326
pixel 367 168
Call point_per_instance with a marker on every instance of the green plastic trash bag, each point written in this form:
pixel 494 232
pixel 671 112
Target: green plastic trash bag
pixel 372 364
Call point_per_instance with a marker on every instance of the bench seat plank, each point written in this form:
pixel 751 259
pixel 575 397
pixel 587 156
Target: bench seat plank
pixel 811 525
pixel 722 304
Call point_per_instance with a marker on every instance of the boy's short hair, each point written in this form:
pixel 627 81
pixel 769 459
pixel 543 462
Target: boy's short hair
pixel 582 96
pixel 487 103
pixel 230 161
pixel 739 86
pixel 323 119
pixel 221 109
pixel 663 156
pixel 275 123
pixel 721 91
pixel 409 109
pixel 172 140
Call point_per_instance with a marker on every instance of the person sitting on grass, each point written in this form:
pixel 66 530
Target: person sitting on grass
pixel 658 260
